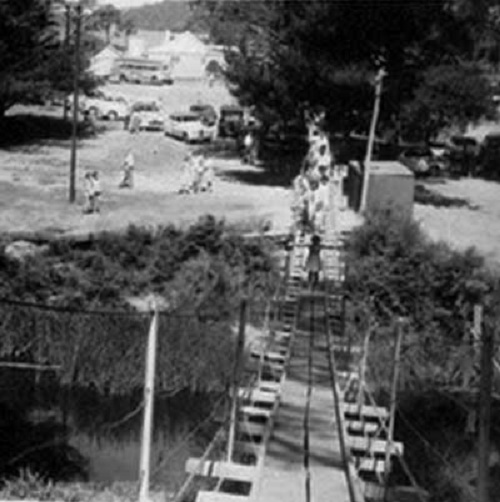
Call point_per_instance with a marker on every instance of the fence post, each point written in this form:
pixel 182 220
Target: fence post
pixel 236 379
pixel 487 346
pixel 147 430
pixel 362 372
pixel 394 394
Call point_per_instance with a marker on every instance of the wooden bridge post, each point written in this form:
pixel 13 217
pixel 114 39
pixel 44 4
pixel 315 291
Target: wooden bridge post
pixel 362 372
pixel 394 394
pixel 487 348
pixel 236 380
pixel 147 431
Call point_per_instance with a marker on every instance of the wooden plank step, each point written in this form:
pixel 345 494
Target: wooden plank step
pixel 374 446
pixel 365 411
pixel 226 470
pixel 362 427
pixel 255 411
pixel 252 429
pixel 372 465
pixel 266 386
pixel 204 496
pixel 275 357
pixel 260 396
pixel 344 347
pixel 248 447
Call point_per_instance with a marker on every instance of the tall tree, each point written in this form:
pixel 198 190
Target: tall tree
pixel 315 52
pixel 105 18
pixel 27 38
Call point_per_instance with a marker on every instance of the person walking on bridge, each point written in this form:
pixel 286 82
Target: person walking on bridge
pixel 313 265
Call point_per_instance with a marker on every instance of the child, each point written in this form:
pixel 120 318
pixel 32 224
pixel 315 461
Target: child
pixel 187 175
pixel 313 264
pixel 128 171
pixel 97 191
pixel 89 193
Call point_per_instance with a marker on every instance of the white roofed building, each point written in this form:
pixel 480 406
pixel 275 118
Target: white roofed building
pixel 186 55
pixel 101 65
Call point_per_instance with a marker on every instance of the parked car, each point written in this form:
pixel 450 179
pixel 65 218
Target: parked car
pixel 106 106
pixel 206 113
pixel 150 115
pixel 489 158
pixel 189 127
pixel 101 105
pixel 231 121
pixel 422 161
pixel 464 154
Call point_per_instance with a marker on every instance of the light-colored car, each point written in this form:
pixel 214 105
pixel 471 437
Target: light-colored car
pixel 422 161
pixel 101 105
pixel 189 127
pixel 150 115
pixel 107 106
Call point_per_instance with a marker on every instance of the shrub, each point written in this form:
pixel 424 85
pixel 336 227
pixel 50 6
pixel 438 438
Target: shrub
pixel 394 270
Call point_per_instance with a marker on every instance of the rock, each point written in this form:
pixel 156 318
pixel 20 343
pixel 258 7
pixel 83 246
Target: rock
pixel 18 250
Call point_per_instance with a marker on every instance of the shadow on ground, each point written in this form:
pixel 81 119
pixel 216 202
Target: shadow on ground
pixel 431 198
pixel 259 176
pixel 26 129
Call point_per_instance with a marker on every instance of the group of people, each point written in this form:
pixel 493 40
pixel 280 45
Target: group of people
pixel 311 186
pixel 197 174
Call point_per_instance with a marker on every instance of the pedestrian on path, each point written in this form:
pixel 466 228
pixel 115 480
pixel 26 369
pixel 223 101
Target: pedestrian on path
pixel 89 187
pixel 96 188
pixel 313 264
pixel 187 175
pixel 128 168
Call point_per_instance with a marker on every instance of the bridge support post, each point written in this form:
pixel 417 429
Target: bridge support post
pixel 147 430
pixel 236 380
pixel 394 394
pixel 487 347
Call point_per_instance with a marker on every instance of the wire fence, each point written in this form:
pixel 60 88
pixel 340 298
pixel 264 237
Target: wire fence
pixel 67 374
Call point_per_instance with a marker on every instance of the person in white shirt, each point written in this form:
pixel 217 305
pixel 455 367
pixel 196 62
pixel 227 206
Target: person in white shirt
pixel 322 203
pixel 88 187
pixel 128 171
pixel 187 175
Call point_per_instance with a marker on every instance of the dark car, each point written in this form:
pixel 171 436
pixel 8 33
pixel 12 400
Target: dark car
pixel 231 121
pixel 206 113
pixel 422 162
pixel 463 155
pixel 489 158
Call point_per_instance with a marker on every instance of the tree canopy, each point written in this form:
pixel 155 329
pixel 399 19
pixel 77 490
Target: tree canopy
pixel 310 52
pixel 35 59
pixel 27 37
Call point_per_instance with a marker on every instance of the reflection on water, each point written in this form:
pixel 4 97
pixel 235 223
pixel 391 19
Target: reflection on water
pixel 79 434
pixel 119 461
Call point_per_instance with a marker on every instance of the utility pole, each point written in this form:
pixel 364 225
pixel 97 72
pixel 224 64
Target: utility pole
pixel 238 362
pixel 67 24
pixel 487 350
pixel 394 394
pixel 76 78
pixel 371 138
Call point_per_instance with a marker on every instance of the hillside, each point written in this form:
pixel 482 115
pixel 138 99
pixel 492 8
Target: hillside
pixel 165 15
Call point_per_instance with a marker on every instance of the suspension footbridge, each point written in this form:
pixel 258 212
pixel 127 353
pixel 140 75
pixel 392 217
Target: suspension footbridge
pixel 296 436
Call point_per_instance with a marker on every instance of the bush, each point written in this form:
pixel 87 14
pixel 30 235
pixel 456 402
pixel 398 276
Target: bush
pixel 394 270
pixel 141 261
